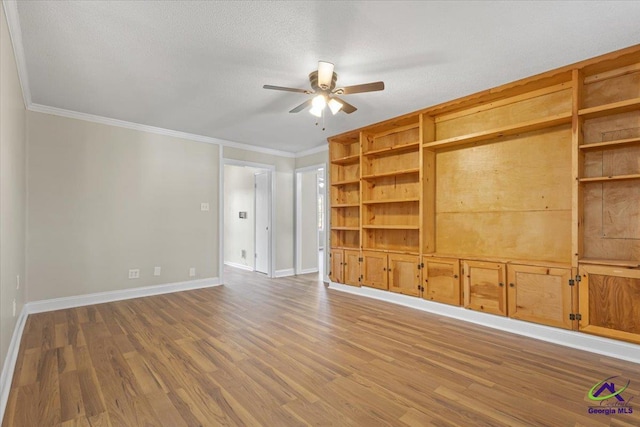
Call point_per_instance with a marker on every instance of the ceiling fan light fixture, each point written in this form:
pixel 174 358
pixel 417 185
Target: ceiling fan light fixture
pixel 325 74
pixel 319 102
pixel 335 106
pixel 316 111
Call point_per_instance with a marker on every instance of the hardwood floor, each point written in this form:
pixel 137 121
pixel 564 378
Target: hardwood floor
pixel 291 352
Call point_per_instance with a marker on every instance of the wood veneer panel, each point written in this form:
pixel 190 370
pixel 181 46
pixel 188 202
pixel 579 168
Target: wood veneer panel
pixel 505 115
pixel 535 235
pixel 614 303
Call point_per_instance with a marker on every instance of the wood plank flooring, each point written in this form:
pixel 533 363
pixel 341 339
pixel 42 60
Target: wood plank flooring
pixel 290 352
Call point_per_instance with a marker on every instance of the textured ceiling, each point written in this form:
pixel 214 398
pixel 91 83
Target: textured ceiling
pixel 199 67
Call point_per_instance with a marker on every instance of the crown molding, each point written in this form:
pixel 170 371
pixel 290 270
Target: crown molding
pixel 314 150
pixel 15 32
pixel 39 108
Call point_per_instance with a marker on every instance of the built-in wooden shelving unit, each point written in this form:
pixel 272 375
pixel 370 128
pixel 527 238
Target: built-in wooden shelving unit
pixel 521 201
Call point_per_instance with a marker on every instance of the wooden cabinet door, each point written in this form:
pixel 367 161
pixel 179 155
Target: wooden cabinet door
pixel 484 287
pixel 441 279
pixel 540 295
pixel 610 302
pixel 337 260
pixel 404 274
pixel 351 267
pixel 374 269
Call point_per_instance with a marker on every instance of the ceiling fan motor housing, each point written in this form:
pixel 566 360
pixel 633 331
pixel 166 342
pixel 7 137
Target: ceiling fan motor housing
pixel 313 79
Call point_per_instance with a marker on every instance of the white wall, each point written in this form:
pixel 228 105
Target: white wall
pixel 12 190
pixel 103 200
pixel 309 221
pixel 239 234
pixel 283 199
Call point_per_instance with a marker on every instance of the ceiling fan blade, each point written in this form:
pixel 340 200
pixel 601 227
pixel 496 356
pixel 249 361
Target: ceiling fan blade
pixel 286 89
pixel 302 106
pixel 367 87
pixel 346 107
pixel 325 74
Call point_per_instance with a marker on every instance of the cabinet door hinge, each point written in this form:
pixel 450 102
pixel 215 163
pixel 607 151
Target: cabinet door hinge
pixel 575 316
pixel 578 278
pixel 360 259
pixel 572 282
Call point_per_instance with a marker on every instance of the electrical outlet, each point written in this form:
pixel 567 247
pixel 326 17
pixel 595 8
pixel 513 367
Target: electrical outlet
pixel 17 282
pixel 204 207
pixel 14 307
pixel 134 273
pixel 192 272
pixel 156 271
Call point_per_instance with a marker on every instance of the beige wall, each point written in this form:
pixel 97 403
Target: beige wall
pixel 103 200
pixel 283 198
pixel 239 195
pixel 312 159
pixel 12 190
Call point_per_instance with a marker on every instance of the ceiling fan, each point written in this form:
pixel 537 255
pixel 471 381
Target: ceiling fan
pixel 323 85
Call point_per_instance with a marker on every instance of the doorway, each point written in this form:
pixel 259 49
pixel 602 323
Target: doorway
pixel 247 232
pixel 311 220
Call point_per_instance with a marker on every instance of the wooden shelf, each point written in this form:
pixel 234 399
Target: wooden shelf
pixel 406 200
pixel 355 158
pixel 529 126
pixel 393 150
pixel 346 205
pixel 610 178
pixel 610 144
pixel 609 109
pixel 346 182
pixel 391 227
pixel 352 248
pixel 346 228
pixel 396 173
pixel 610 262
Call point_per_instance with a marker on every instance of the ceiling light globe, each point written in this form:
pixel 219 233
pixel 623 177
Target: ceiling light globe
pixel 335 106
pixel 319 102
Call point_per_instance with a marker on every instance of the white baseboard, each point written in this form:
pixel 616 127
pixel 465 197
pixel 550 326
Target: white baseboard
pixel 284 273
pixel 102 297
pixel 10 360
pixel 240 266
pixel 578 340
pixel 308 270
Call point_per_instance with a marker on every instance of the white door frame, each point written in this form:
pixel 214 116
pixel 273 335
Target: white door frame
pixel 255 218
pixel 298 178
pixel 270 169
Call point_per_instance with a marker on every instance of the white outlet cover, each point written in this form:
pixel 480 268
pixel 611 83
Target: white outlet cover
pixel 134 274
pixel 157 271
pixel 192 272
pixel 204 207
